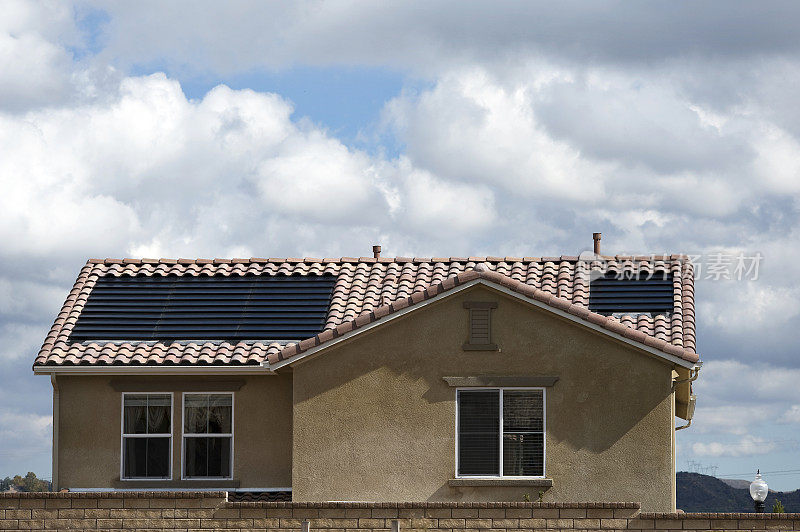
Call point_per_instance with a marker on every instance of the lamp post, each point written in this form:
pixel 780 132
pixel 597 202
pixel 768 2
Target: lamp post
pixel 758 491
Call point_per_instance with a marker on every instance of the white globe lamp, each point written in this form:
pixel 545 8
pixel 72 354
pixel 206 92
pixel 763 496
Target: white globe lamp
pixel 759 491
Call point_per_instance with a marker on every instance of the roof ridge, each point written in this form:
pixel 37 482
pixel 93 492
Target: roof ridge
pixel 400 259
pixel 481 272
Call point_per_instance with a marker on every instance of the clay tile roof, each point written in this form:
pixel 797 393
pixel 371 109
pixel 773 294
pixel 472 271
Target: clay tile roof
pixel 483 272
pixel 374 288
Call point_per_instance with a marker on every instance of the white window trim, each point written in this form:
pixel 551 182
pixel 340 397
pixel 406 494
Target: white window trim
pixel 544 432
pixel 123 436
pixel 184 435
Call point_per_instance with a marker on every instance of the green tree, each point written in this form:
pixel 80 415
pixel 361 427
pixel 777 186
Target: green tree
pixel 778 508
pixel 27 483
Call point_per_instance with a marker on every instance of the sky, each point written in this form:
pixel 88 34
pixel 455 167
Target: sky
pixel 239 129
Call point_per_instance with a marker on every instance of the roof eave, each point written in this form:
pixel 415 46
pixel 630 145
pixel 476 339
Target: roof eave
pixel 249 369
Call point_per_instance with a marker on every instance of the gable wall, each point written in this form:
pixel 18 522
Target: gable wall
pixel 90 423
pixel 374 421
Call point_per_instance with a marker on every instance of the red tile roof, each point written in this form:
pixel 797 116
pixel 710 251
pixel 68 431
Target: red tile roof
pixel 363 285
pixel 482 272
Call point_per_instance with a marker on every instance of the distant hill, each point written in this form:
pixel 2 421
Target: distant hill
pixel 737 483
pixel 704 493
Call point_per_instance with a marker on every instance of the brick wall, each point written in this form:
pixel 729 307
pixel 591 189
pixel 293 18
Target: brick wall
pixel 211 511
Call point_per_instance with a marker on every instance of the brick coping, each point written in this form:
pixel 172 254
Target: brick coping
pixel 717 515
pixel 399 505
pixel 114 495
pixel 435 505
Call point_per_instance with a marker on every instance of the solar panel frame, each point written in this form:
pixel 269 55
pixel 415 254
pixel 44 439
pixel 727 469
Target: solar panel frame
pixel 236 308
pixel 632 294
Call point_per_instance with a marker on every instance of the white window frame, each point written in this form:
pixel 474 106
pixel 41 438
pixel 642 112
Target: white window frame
pixel 544 431
pixel 123 436
pixel 206 435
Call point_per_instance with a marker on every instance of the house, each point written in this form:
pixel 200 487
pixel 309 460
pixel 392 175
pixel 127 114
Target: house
pixel 376 379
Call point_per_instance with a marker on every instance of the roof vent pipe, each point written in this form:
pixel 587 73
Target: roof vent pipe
pixel 596 237
pixel 376 252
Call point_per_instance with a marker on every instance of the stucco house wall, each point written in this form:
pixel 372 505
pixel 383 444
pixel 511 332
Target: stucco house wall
pixel 374 420
pixel 89 424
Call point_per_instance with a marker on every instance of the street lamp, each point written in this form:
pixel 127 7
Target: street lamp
pixel 758 491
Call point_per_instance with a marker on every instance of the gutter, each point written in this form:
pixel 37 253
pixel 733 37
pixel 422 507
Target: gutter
pixel 250 369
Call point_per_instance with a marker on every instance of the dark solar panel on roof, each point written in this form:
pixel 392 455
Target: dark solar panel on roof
pixel 632 294
pixel 235 308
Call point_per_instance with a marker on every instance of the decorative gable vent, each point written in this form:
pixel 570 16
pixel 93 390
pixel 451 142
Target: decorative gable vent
pixel 480 326
pixel 235 308
pixel 632 294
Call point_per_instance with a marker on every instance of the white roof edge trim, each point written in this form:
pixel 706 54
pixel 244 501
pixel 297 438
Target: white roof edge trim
pixel 565 315
pixel 151 370
pixel 127 490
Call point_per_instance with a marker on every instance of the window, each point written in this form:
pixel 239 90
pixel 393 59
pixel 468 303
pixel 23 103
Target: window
pixel 146 436
pixel 500 432
pixel 207 435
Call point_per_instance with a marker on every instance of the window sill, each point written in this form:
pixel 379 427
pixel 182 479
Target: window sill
pixel 500 482
pixel 175 484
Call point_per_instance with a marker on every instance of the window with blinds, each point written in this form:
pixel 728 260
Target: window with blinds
pixel 500 432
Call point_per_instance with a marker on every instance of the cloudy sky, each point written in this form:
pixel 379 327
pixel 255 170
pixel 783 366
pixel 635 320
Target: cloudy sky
pixel 151 129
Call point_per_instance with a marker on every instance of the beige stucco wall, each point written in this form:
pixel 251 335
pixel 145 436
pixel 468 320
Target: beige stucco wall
pixel 373 419
pixel 90 421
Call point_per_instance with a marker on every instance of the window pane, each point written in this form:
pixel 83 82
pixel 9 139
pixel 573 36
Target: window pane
pixel 135 414
pixel 219 457
pixel 478 432
pixel 158 414
pixel 195 416
pixel 523 454
pixel 207 457
pixel 194 456
pixel 135 459
pixel 157 457
pixel 219 414
pixel 146 458
pixel 523 411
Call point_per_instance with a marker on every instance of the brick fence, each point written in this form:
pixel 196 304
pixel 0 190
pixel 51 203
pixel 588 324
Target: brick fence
pixel 211 511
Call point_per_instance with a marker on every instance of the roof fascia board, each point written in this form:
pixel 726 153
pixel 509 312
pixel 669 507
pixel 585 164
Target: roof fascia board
pixel 560 313
pixel 152 370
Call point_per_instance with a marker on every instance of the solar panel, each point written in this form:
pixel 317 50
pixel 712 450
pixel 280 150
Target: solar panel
pixel 631 294
pixel 171 308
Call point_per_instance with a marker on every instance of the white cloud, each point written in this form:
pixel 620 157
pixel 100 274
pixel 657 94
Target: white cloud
pixel 35 67
pixel 23 434
pixel 239 36
pixel 746 446
pixel 731 382
pixel 792 415
pixel 736 419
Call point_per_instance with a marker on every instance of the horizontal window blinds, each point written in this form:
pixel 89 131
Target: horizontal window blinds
pixel 478 432
pixel 495 442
